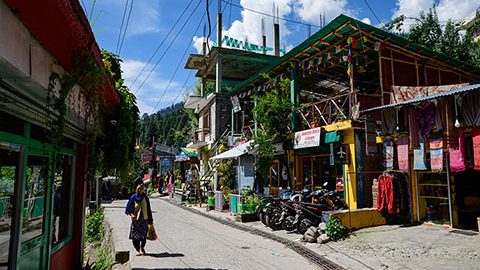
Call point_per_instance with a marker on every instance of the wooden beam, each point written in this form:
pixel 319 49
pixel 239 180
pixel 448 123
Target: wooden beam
pixel 416 72
pixel 380 67
pixel 391 66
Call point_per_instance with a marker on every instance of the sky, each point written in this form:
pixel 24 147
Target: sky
pixel 154 37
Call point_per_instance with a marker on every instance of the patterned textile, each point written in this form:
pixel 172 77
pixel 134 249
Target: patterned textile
pixel 476 147
pixel 138 230
pixel 413 128
pixel 419 157
pixel 389 150
pixel 404 93
pixel 426 118
pixel 402 152
pixel 457 155
pixel 440 114
pixel 436 154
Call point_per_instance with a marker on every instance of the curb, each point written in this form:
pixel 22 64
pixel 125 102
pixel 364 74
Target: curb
pixel 303 251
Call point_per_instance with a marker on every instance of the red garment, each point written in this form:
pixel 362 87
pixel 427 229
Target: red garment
pixel 476 147
pixel 386 197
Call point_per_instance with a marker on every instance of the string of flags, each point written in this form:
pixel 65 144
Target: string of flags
pixel 342 52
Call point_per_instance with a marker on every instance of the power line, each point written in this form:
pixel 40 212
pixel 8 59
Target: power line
pixel 126 26
pixel 266 14
pixel 166 50
pixel 180 62
pixel 121 26
pixel 374 14
pixel 161 43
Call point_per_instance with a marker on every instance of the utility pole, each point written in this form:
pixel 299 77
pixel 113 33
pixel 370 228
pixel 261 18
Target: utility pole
pixel 154 161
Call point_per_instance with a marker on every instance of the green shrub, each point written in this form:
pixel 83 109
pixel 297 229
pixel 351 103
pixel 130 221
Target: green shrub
pixel 335 229
pixel 104 261
pixel 94 227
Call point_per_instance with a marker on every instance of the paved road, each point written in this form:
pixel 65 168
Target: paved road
pixel 190 241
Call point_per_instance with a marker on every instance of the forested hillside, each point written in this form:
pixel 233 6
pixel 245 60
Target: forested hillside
pixel 169 126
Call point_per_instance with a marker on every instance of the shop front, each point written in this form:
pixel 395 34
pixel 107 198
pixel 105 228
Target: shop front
pixel 434 143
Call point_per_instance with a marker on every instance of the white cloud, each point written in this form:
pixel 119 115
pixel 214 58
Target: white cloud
pixel 310 10
pixel 144 18
pixel 148 97
pixel 446 9
pixel 198 44
pixel 456 9
pixel 367 21
pixel 411 8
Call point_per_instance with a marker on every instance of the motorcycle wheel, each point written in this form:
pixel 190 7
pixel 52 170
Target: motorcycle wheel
pixel 303 226
pixel 274 223
pixel 287 224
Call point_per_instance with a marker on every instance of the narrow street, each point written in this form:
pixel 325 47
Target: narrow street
pixel 190 241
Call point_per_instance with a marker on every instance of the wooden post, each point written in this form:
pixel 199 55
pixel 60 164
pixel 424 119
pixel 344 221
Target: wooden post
pixel 380 67
pixel 391 66
pixel 416 72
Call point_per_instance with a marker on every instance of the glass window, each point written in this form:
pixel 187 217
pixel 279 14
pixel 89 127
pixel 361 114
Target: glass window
pixel 11 124
pixel 63 198
pixel 9 166
pixel 35 191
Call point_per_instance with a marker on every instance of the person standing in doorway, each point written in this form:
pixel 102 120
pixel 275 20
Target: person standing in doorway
pixel 138 208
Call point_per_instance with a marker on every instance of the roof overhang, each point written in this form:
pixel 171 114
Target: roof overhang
pixel 235 152
pixel 197 103
pixel 237 65
pixel 460 90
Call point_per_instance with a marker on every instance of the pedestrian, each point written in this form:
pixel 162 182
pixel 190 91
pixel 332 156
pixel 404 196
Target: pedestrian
pixel 138 208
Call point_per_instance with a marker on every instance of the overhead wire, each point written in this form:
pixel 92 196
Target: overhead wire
pixel 166 50
pixel 268 15
pixel 121 26
pixel 161 44
pixel 126 26
pixel 374 14
pixel 181 60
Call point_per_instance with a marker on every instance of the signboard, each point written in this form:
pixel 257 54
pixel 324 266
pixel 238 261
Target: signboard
pixel 307 138
pixel 236 104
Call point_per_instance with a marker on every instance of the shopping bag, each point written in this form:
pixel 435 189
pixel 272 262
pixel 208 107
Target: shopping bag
pixel 151 234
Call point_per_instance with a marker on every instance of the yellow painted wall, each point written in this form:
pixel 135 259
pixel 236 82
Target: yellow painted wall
pixel 361 218
pixel 350 170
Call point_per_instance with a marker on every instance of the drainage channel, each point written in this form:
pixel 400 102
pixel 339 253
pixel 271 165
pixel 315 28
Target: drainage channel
pixel 313 257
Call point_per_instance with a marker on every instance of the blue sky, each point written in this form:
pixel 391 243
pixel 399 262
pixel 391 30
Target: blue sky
pixel 151 20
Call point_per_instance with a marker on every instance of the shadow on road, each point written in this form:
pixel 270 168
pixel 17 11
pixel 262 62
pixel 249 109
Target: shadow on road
pixel 164 255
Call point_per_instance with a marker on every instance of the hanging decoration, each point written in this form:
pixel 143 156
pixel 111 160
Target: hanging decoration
pixel 402 152
pixel 476 147
pixel 419 162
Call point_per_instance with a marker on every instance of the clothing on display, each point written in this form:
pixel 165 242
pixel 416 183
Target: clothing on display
pixel 476 147
pixel 426 118
pixel 389 153
pixel 402 152
pixel 389 120
pixel 413 128
pixel 436 154
pixel 470 110
pixel 393 195
pixel 419 162
pixel 457 155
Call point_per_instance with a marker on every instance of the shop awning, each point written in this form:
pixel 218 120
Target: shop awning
pixel 196 145
pixel 190 152
pixel 456 91
pixel 235 152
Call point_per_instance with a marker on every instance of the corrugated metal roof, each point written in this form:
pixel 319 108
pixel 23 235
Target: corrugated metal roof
pixel 345 26
pixel 425 98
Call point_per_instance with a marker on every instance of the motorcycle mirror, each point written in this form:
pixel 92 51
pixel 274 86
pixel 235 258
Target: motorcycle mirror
pixel 325 184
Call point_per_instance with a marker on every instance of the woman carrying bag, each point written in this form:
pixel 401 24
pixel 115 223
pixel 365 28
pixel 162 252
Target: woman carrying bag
pixel 138 208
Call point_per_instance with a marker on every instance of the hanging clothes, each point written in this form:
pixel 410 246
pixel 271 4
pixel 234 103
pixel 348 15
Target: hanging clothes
pixel 389 120
pixel 388 150
pixel 457 155
pixel 419 162
pixel 440 113
pixel 471 110
pixel 452 136
pixel 436 153
pixel 402 152
pixel 413 128
pixel 476 147
pixel 426 118
pixel 386 197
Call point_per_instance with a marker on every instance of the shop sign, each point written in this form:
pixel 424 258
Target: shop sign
pixel 339 125
pixel 307 138
pixel 236 104
pixel 342 153
pixel 278 149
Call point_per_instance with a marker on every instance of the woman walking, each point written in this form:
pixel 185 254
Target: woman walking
pixel 138 208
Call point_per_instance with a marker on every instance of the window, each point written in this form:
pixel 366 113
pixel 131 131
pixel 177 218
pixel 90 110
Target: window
pixel 35 191
pixel 9 167
pixel 11 124
pixel 206 121
pixel 63 198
